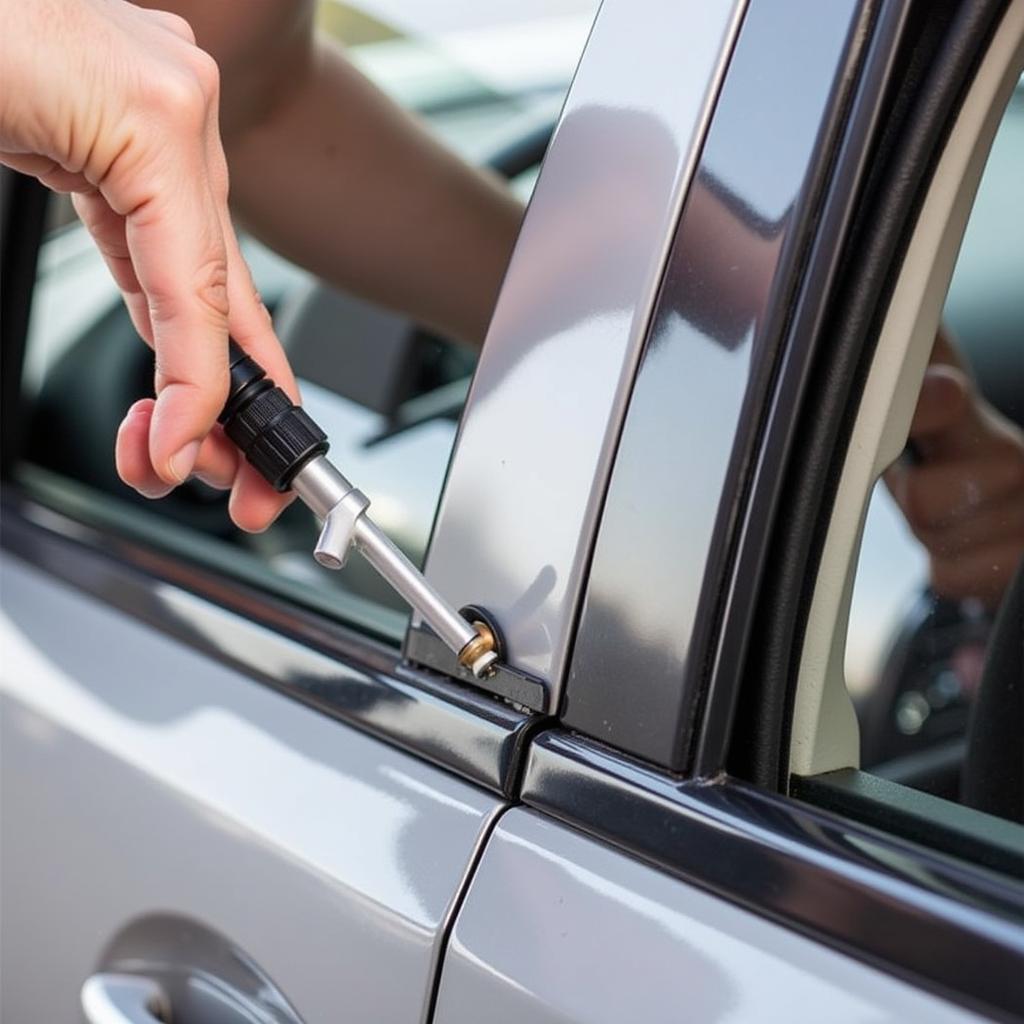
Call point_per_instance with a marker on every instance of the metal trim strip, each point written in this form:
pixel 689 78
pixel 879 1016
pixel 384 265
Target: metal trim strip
pixel 778 430
pixel 315 661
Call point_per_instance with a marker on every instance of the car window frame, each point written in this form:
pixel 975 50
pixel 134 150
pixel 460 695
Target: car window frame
pixel 982 840
pixel 376 686
pixel 922 113
pixel 855 317
pixel 749 700
pixel 665 695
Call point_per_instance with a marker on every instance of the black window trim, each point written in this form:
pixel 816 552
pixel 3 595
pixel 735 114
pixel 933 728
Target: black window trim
pixel 952 828
pixel 23 202
pixel 736 641
pixel 748 717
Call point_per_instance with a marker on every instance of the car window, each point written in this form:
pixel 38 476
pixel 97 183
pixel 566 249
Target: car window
pixel 908 711
pixel 935 615
pixel 388 392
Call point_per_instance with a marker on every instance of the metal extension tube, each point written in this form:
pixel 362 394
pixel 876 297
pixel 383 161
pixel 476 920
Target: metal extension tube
pixel 342 510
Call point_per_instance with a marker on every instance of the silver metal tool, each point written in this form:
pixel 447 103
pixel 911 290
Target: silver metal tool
pixel 342 509
pixel 289 451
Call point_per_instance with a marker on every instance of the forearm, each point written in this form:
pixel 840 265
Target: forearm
pixel 344 182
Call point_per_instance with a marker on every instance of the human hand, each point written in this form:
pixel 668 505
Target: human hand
pixel 118 106
pixel 964 499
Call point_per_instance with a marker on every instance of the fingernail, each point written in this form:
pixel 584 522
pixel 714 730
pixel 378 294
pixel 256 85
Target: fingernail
pixel 182 462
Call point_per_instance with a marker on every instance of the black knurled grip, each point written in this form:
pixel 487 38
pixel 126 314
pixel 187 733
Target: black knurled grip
pixel 277 437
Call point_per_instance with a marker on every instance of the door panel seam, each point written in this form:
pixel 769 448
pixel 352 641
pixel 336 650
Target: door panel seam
pixel 455 906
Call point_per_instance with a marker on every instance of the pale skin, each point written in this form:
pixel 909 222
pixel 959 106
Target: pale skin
pixel 149 110
pixel 309 140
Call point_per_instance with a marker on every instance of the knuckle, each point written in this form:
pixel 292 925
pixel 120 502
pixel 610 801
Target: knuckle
pixel 179 25
pixel 207 73
pixel 179 100
pixel 184 94
pixel 211 288
pixel 207 295
pixel 207 397
pixel 964 391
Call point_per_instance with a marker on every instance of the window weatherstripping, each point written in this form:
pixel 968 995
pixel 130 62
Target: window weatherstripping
pixel 823 731
pixel 704 384
pixel 799 468
pixel 516 520
pixel 300 654
pixel 946 926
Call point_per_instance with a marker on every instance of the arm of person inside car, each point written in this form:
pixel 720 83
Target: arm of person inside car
pixel 330 172
pixel 964 496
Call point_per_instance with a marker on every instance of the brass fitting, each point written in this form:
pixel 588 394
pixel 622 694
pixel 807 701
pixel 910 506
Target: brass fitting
pixel 480 655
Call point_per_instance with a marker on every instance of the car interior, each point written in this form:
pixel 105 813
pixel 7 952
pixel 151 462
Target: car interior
pixel 917 663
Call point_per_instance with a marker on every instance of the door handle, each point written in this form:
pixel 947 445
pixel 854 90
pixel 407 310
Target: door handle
pixel 124 999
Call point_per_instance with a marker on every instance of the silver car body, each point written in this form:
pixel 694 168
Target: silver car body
pixel 372 866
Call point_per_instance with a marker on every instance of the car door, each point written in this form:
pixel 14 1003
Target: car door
pixel 290 849
pixel 226 793
pixel 696 841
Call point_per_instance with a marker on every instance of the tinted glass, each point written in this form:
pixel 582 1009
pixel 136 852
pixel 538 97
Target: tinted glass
pixel 933 655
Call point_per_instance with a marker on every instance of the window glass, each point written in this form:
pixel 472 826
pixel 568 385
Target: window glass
pixel 489 81
pixel 935 643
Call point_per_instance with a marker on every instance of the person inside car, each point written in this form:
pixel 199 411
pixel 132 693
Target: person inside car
pixel 140 113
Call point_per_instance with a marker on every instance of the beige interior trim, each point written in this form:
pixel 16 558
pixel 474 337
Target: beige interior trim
pixel 825 733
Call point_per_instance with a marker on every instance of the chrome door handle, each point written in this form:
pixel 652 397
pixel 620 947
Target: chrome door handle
pixel 124 999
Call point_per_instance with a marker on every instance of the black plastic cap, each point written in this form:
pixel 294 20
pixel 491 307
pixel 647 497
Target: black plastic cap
pixel 276 437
